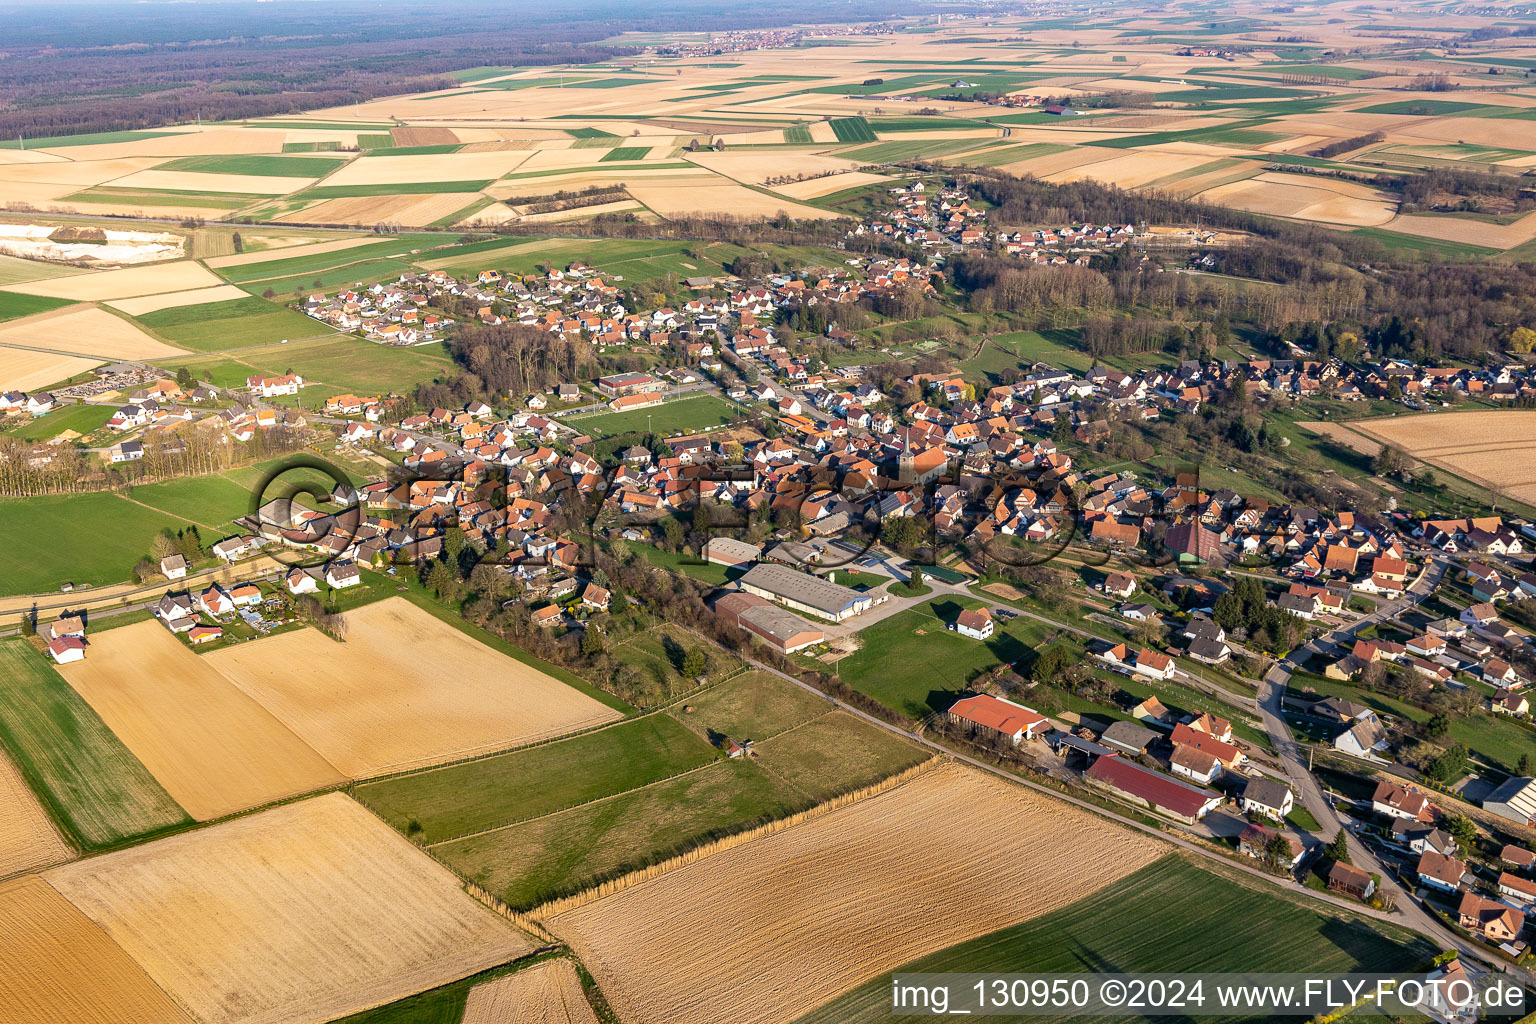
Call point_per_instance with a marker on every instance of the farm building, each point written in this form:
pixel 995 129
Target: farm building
pixel 1154 789
pixel 728 551
pixel 1127 737
pixel 782 631
pixel 805 593
pixel 997 716
pixel 1515 800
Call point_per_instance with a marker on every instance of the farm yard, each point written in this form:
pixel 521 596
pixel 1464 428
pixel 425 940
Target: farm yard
pixel 376 704
pixel 297 915
pixel 670 948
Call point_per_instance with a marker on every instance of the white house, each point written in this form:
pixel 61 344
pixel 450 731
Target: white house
pixel 1268 797
pixel 173 567
pixel 66 649
pixel 975 623
pixel 270 387
pixel 339 575
pixel 300 582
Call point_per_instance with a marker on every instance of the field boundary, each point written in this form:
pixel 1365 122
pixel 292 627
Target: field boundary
pixel 566 903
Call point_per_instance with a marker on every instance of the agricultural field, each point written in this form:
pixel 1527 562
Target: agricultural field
pixel 88 539
pixel 378 703
pixel 297 915
pixel 658 654
pixel 85 331
pixel 1491 448
pixel 89 781
pixel 672 949
pixel 78 419
pixel 14 305
pixel 61 966
pixel 548 993
pixel 28 839
pixel 754 705
pixel 231 323
pixel 214 749
pixel 1263 929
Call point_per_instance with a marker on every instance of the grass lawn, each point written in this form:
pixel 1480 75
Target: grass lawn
pixel 837 753
pixel 14 304
pixel 688 565
pixel 1302 818
pixel 914 665
pixel 80 418
pixel 696 412
pixel 266 166
pixel 344 364
pixel 1158 919
pixel 565 852
pixel 444 803
pixel 751 706
pixel 233 324
pixel 88 780
pixel 90 539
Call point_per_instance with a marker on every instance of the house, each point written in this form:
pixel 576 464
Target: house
pixel 340 575
pixel 215 601
pixel 1521 890
pixel 173 567
pixel 126 451
pixel 595 597
pixel 1363 739
pixel 803 592
pixel 1268 797
pixel 975 623
pixel 201 634
pixel 1153 789
pixel 1418 837
pixel 1226 754
pixel 65 649
pixel 997 716
pixel 549 615
pixel 65 625
pixel 300 582
pixel 1351 880
pixel 1518 857
pixel 1153 665
pixel 1254 841
pixel 1193 763
pixel 270 387
pixel 40 404
pixel 1488 918
pixel 1440 871
pixel 1120 584
pixel 173 608
pixel 1397 802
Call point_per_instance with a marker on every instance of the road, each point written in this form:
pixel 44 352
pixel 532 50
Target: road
pixel 1271 697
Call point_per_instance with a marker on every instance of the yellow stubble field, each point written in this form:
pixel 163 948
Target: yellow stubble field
pixel 28 840
pixel 25 370
pixel 213 748
pixel 59 967
pixel 87 331
pixel 405 690
pixel 548 993
pixel 771 928
pixel 298 915
pixel 1493 448
pixel 125 283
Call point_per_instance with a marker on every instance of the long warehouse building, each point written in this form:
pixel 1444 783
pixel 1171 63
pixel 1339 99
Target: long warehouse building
pixel 805 593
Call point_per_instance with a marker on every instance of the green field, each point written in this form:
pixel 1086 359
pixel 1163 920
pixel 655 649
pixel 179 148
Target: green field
pixel 461 799
pixel 267 166
pixel 653 652
pixel 1416 243
pixel 852 129
pixel 695 412
pixel 80 418
pixel 625 153
pixel 1159 919
pixel 14 304
pixel 607 83
pixel 589 133
pixel 233 324
pixel 798 135
pixel 752 706
pixel 315 263
pixel 925 124
pixel 93 139
pixel 1427 108
pixel 837 753
pixel 352 364
pixel 562 853
pixel 88 780
pixel 311 147
pixel 90 539
pixel 212 501
pixel 914 665
pixel 375 141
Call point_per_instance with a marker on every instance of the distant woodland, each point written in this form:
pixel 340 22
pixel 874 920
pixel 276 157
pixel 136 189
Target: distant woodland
pixel 75 68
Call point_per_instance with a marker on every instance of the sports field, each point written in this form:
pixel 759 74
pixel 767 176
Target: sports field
pixel 694 412
pixel 404 691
